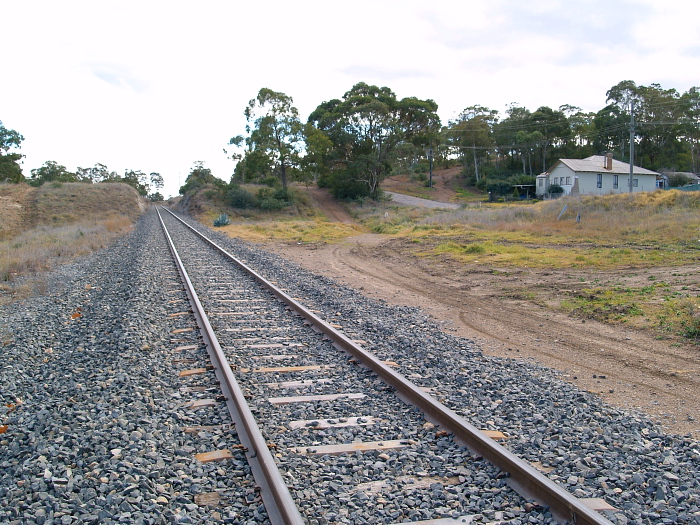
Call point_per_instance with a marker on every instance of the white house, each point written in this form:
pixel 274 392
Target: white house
pixel 596 175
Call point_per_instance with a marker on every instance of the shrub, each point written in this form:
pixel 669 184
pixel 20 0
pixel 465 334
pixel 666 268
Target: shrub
pixel 499 187
pixel 271 204
pixel 222 220
pixel 240 198
pixel 676 180
pixel 555 189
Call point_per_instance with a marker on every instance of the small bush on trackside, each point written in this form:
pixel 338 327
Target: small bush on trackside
pixel 222 220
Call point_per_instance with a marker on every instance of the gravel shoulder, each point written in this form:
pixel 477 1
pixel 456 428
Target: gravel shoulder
pixel 626 367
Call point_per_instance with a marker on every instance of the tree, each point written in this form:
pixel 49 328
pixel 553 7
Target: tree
pixel 511 135
pixel 157 181
pixel 473 131
pixel 10 170
pixel 200 177
pixel 155 186
pixel 690 126
pixel 676 180
pixel 51 171
pixel 664 124
pixel 612 130
pixel 138 180
pixel 527 143
pixel 553 126
pixel 365 129
pixel 276 132
pixel 318 148
pixel 96 174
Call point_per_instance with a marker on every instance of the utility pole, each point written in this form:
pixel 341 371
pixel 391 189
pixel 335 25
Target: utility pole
pixel 631 144
pixel 430 160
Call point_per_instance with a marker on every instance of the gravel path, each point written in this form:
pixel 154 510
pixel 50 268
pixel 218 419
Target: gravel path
pixel 95 415
pixel 408 200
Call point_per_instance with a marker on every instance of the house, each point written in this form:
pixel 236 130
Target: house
pixel 596 175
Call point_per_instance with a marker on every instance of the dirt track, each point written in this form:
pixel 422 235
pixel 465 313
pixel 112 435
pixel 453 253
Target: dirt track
pixel 629 368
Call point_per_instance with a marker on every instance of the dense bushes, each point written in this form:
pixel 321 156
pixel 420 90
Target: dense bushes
pixel 266 198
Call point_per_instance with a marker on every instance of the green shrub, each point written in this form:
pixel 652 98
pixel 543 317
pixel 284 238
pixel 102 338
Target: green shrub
pixel 222 220
pixel 555 189
pixel 265 193
pixel 677 180
pixel 241 198
pixel 271 204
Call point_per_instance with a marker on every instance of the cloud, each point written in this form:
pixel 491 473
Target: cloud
pixel 376 74
pixel 579 31
pixel 118 76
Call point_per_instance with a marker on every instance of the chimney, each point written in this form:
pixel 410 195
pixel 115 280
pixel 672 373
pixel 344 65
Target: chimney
pixel 608 161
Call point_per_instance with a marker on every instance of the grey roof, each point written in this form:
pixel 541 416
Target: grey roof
pixel 596 164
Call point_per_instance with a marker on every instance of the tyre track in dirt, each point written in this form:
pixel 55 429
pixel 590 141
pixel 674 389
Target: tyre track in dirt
pixel 628 368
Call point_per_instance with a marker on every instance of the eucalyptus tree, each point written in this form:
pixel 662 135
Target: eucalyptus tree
pixel 10 169
pixel 690 126
pixel 660 129
pixel 365 129
pixel 663 124
pixel 554 129
pixel 97 173
pixel 472 132
pixel 275 131
pixel 511 137
pixel 51 171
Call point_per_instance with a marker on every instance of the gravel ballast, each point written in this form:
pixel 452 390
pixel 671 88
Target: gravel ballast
pixel 95 435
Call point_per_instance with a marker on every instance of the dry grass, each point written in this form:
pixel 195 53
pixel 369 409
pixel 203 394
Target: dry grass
pixel 40 248
pixel 310 231
pixel 66 203
pixel 660 228
pixel 56 223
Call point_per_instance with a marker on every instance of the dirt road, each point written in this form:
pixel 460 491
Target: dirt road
pixel 627 367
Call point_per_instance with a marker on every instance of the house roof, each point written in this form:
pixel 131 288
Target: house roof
pixel 596 164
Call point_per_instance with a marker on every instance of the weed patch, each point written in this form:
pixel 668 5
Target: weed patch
pixel 681 316
pixel 603 305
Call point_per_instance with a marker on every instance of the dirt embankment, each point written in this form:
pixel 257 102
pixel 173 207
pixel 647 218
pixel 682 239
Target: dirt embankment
pixel 628 368
pixel 23 207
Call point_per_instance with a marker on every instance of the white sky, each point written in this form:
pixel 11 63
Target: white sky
pixel 157 85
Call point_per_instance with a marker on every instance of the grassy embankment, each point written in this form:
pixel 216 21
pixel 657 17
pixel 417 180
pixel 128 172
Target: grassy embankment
pixel 301 222
pixel 50 225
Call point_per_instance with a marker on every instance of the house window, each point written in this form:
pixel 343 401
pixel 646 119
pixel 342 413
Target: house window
pixel 541 182
pixel 615 181
pixel 568 180
pixel 635 183
pixel 599 180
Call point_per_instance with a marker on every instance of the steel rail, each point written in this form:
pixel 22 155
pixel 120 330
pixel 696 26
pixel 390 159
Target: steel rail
pixel 278 501
pixel 521 476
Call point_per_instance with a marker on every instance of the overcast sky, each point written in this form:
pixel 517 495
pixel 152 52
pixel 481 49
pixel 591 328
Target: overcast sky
pixel 155 86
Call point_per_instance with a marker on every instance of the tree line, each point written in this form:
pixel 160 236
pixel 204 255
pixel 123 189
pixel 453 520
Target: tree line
pixel 352 143
pixel 51 171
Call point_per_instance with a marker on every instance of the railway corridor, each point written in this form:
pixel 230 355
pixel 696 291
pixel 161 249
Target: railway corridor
pixel 114 410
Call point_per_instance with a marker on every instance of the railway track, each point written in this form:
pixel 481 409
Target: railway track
pixel 324 424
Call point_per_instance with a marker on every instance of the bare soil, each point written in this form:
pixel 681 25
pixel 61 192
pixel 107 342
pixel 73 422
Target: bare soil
pixel 513 313
pixel 15 208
